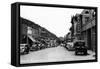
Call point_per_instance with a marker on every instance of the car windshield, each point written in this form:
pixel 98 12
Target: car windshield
pixel 80 43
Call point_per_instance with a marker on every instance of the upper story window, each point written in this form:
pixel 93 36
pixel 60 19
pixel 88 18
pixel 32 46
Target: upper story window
pixel 94 14
pixel 86 19
pixel 87 12
pixel 29 30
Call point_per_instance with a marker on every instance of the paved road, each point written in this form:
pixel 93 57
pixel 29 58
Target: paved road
pixel 52 55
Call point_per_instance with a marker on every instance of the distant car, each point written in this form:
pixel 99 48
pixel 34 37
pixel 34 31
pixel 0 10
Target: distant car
pixel 62 44
pixel 80 48
pixel 24 49
pixel 70 46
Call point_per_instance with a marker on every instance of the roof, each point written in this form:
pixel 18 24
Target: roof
pixel 29 23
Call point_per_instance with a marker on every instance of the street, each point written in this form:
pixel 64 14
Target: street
pixel 52 55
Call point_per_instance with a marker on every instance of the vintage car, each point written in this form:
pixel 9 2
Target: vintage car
pixel 34 47
pixel 42 46
pixel 24 49
pixel 70 46
pixel 80 48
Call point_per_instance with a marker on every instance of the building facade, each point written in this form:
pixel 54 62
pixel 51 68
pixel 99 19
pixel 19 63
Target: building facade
pixel 76 27
pixel 89 28
pixel 31 33
pixel 68 37
pixel 84 28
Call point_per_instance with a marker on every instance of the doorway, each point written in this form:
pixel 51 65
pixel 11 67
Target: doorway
pixel 89 39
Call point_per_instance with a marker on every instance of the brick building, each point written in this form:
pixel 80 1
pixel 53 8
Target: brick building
pixel 27 31
pixel 89 28
pixel 84 28
pixel 31 32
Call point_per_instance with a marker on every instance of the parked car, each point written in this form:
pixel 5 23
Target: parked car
pixel 34 47
pixel 62 44
pixel 70 46
pixel 80 48
pixel 24 49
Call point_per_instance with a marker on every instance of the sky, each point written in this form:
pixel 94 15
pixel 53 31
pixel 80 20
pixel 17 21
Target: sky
pixel 55 20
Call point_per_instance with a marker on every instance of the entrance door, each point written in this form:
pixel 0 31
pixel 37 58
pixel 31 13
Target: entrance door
pixel 89 38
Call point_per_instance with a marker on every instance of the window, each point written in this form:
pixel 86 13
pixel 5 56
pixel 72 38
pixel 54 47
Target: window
pixel 87 12
pixel 86 19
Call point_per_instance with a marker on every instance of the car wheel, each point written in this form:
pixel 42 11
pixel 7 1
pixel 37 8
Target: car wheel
pixel 85 53
pixel 76 52
pixel 27 52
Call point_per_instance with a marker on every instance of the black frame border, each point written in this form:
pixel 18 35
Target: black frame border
pixel 15 32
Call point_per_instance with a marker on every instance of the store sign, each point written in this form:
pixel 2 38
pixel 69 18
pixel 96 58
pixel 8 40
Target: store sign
pixel 78 27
